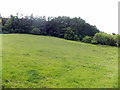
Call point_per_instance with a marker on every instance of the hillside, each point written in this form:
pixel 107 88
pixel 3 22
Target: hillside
pixel 31 61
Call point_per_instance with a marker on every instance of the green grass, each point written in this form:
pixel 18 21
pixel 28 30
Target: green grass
pixel 31 61
pixel 0 61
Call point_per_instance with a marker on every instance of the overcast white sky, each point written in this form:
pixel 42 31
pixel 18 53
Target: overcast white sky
pixel 101 13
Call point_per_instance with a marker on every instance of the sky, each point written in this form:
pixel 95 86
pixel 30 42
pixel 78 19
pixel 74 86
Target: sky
pixel 101 13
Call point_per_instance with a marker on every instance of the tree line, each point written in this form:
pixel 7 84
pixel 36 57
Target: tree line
pixel 62 26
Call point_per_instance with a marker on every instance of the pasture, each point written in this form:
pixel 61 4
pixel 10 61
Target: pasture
pixel 31 61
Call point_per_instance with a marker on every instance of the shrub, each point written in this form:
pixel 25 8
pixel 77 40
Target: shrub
pixel 94 42
pixel 87 39
pixel 118 40
pixel 105 39
pixel 5 32
pixel 98 38
pixel 112 41
pixel 15 31
pixel 76 38
pixel 36 31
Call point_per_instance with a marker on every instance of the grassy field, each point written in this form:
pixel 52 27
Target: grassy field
pixel 0 61
pixel 31 61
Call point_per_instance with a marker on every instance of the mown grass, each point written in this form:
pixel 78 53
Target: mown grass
pixel 31 61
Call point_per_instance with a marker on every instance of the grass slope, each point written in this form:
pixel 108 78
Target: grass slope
pixel 0 61
pixel 31 61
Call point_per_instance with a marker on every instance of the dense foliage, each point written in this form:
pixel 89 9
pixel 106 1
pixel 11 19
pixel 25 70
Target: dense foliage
pixel 64 27
pixel 87 39
pixel 106 39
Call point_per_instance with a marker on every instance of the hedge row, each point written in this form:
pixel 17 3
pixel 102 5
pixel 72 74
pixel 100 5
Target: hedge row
pixel 103 39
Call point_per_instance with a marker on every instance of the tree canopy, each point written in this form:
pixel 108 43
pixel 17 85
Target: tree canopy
pixel 62 26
